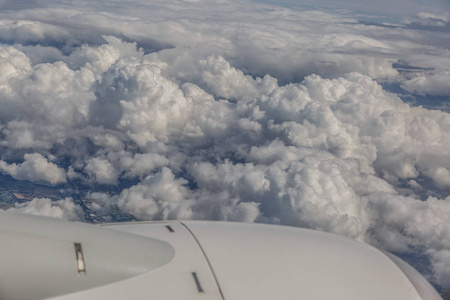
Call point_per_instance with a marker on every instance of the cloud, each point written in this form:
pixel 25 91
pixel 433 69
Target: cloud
pixel 63 209
pixel 160 196
pixel 441 266
pixel 385 9
pixel 35 168
pixel 101 171
pixel 400 223
pixel 14 64
pixel 436 84
pixel 259 113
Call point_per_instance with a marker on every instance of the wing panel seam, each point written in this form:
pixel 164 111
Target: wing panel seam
pixel 206 258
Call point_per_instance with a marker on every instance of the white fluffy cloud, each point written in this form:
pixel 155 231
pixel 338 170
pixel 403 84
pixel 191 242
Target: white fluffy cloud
pixel 35 168
pixel 63 209
pixel 441 266
pixel 160 196
pixel 260 113
pixel 435 84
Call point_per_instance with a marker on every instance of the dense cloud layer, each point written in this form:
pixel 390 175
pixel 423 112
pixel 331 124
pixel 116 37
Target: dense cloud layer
pixel 255 113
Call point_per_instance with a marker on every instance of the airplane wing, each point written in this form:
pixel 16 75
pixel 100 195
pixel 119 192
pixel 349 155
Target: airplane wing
pixel 44 258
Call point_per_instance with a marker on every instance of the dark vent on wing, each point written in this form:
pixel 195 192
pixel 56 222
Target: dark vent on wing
pixel 80 259
pixel 197 282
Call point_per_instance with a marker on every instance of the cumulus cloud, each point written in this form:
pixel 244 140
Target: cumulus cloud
pixel 276 115
pixel 35 168
pixel 441 265
pixel 63 209
pixel 160 196
pixel 436 84
pixel 14 63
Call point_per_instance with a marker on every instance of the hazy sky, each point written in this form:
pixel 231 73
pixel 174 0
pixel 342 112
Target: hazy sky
pixel 394 9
